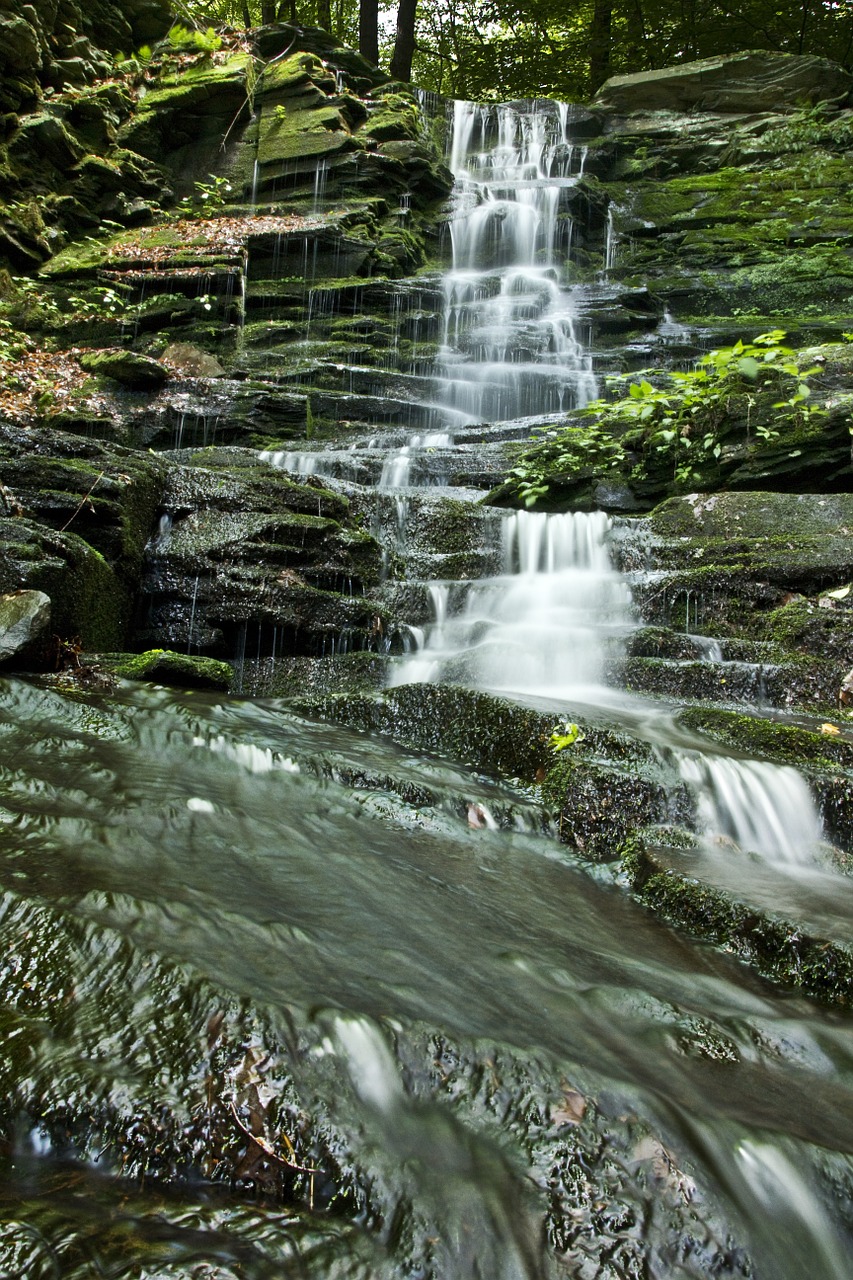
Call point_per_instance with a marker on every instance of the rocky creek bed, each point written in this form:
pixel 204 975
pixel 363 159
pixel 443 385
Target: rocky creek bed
pixel 412 1038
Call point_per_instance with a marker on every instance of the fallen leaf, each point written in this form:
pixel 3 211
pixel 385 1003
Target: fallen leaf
pixel 570 1109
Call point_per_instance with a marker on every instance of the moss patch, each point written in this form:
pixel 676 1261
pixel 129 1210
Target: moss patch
pixel 162 666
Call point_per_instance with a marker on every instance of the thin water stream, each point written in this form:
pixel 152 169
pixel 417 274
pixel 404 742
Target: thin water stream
pixel 495 1063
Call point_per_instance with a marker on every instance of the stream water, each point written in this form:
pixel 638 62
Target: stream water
pixel 496 1064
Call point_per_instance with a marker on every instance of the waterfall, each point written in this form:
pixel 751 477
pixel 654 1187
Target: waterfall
pixel 762 807
pixel 543 626
pixel 511 342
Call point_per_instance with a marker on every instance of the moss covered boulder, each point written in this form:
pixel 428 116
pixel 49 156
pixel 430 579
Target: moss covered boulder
pixel 162 666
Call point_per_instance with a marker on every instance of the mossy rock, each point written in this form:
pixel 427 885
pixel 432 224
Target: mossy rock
pixel 783 949
pixel 600 803
pixel 89 603
pixel 127 367
pixel 162 666
pixel 757 736
pixel 108 494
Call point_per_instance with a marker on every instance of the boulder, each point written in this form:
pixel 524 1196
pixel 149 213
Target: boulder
pixel 126 367
pixel 24 620
pixel 19 46
pixel 755 80
pixel 163 666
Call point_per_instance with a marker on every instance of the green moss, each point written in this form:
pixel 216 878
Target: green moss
pixel 191 87
pixel 779 949
pixel 769 739
pixel 297 73
pixel 293 134
pixel 165 667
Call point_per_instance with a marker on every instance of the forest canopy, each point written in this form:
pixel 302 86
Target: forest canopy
pixel 502 49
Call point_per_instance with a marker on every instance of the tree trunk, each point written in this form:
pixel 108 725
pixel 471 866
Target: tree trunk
pixel 368 30
pixel 599 43
pixel 267 12
pixel 404 45
pixel 324 14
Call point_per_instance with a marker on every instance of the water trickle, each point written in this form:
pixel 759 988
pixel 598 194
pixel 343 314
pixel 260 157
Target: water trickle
pixel 761 807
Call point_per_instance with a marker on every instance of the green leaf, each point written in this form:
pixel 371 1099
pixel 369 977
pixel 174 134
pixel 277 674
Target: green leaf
pixel 565 736
pixel 748 366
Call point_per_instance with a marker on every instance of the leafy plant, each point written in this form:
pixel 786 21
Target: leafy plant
pixel 185 38
pixel 208 199
pixel 102 304
pixel 564 451
pixel 814 127
pixel 679 420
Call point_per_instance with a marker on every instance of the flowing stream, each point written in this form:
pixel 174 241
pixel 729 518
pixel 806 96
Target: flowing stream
pixel 490 1063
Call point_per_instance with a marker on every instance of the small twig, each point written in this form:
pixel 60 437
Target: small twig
pixel 83 502
pixel 267 1150
pixel 248 100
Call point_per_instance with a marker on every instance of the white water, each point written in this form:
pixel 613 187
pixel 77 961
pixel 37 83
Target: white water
pixel 512 343
pixel 762 807
pixel 397 468
pixel 540 627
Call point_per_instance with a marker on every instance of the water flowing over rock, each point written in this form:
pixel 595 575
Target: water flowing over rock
pixel 455 944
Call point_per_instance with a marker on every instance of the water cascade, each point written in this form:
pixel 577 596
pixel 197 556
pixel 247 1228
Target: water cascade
pixel 512 342
pixel 762 807
pixel 544 625
pixel 474 1057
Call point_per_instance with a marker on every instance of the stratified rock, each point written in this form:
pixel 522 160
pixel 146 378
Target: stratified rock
pixel 88 600
pixel 24 619
pixel 739 82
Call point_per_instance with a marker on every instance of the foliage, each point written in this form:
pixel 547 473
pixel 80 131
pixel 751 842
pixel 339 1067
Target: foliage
pixel 101 304
pixel 565 450
pixel 818 126
pixel 208 199
pixel 679 420
pixel 187 38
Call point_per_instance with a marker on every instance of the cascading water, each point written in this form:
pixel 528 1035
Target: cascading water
pixel 762 807
pixel 550 622
pixel 511 341
pixel 541 627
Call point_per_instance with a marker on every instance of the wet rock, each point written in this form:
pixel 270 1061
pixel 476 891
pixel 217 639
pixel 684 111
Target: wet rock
pixel 787 950
pixel 24 620
pixel 89 603
pixel 246 556
pixel 99 492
